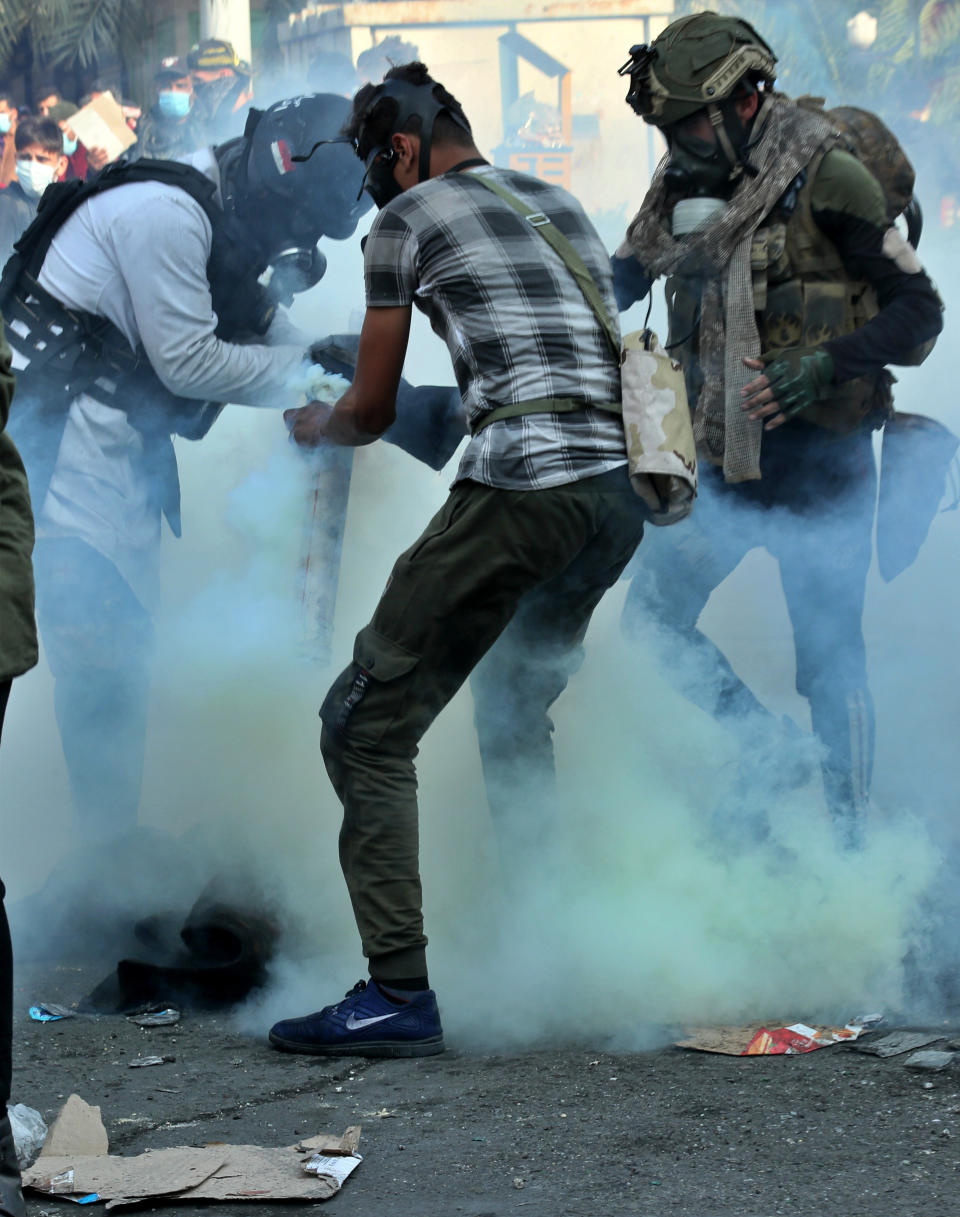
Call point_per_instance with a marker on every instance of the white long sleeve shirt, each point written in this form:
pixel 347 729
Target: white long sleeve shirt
pixel 137 255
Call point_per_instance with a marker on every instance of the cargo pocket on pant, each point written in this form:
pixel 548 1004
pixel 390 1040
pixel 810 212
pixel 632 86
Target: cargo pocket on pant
pixel 365 698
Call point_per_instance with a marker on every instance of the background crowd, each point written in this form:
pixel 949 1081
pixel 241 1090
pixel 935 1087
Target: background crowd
pixel 199 98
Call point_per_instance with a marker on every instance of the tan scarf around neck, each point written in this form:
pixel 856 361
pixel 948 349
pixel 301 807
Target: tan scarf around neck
pixel 788 137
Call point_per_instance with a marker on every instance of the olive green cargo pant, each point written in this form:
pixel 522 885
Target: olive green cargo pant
pixel 525 567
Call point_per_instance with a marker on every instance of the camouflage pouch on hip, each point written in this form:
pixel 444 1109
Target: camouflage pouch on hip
pixel 661 451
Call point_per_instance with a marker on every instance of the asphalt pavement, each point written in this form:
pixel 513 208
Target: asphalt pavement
pixel 561 1130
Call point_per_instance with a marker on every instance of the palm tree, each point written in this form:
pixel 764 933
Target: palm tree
pixel 72 32
pixel 910 75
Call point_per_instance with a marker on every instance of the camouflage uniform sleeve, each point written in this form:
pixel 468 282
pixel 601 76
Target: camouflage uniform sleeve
pixel 849 207
pixel 630 281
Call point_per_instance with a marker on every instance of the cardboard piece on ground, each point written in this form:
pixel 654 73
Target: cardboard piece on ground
pixel 898 1042
pixel 334 1146
pixel 100 124
pixel 156 1174
pixel 77 1130
pixel 254 1173
pixel 773 1038
pixel 75 1162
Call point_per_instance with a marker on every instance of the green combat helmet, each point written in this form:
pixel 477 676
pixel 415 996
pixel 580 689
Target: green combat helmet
pixel 694 64
pixel 698 63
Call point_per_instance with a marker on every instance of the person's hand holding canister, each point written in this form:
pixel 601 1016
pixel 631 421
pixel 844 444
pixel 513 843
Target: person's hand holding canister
pixel 307 424
pixel 792 381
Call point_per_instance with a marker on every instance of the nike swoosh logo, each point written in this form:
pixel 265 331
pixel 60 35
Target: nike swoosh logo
pixel 354 1024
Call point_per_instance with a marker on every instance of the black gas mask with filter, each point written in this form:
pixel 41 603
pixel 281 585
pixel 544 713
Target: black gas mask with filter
pixel 700 166
pixel 696 167
pixel 413 101
pixel 695 71
pixel 277 205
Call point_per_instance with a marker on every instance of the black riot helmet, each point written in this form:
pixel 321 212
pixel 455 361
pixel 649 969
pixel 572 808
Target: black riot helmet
pixel 374 128
pixel 282 197
pixel 279 201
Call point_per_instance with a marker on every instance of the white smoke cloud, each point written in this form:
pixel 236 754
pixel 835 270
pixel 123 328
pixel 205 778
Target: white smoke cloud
pixel 632 921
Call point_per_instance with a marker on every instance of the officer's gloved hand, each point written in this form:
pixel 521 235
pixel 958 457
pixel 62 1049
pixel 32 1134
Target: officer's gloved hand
pixel 787 382
pixel 337 353
pixel 799 378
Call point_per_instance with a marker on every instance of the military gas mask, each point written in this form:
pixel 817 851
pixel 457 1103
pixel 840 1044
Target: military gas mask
pixel 291 271
pixel 697 167
pixel 413 102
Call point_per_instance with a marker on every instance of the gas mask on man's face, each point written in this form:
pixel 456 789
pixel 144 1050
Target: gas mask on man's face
pixel 697 167
pixel 379 181
pixel 292 271
pixel 289 245
pixel 412 102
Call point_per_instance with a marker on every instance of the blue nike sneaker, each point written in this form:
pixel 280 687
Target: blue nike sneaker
pixel 365 1023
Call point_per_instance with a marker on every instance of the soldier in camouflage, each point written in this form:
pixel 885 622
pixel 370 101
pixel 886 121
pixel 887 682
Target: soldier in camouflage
pixel 789 290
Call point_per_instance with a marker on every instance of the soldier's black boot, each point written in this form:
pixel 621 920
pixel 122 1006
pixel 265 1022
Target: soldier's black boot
pixel 11 1197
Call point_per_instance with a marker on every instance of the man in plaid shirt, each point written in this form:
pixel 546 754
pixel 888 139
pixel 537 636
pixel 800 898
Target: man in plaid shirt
pixel 540 521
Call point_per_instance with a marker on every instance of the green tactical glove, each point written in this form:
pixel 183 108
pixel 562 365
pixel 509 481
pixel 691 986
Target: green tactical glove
pixel 799 378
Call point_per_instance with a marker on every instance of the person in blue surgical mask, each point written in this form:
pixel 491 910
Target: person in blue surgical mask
pixel 8 126
pixel 168 129
pixel 39 162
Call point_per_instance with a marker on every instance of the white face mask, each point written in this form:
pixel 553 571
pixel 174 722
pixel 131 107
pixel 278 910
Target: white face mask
pixel 34 178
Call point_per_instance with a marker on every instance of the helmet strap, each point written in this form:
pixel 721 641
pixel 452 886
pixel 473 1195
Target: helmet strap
pixel 759 122
pixel 426 143
pixel 715 115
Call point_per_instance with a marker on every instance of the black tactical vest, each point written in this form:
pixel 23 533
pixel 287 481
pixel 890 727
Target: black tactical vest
pixel 62 352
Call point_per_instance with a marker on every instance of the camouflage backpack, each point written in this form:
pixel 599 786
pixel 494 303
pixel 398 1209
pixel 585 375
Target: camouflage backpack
pixel 872 142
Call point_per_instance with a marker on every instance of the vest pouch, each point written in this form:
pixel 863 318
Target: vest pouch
pixel 781 324
pixel 916 456
pixel 766 259
pixel 852 404
pixel 661 452
pixel 159 410
pixel 826 313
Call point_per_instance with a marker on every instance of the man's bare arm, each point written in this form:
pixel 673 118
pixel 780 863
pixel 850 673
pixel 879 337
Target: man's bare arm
pixel 368 407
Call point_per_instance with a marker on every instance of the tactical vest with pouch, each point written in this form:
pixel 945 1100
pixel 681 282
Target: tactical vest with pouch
pixel 60 352
pixel 803 296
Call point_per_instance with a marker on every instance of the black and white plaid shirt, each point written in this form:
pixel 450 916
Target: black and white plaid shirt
pixel 516 324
